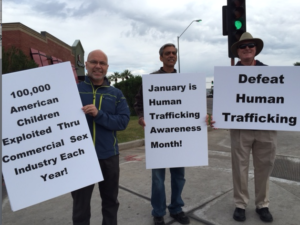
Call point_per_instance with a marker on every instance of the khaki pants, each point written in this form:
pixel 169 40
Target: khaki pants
pixel 263 144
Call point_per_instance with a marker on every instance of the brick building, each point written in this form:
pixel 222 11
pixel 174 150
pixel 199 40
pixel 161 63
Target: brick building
pixel 43 48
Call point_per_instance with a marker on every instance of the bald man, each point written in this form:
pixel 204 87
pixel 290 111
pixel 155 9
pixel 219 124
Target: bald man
pixel 106 112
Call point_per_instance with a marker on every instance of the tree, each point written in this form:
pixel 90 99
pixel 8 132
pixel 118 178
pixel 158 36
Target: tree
pixel 110 78
pixel 14 60
pixel 126 74
pixel 114 77
pixel 130 88
pixel 297 64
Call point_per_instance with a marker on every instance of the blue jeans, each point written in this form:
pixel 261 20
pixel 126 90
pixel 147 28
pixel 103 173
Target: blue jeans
pixel 158 197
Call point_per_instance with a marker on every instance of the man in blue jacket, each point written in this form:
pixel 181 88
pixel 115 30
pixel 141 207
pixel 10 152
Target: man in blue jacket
pixel 106 112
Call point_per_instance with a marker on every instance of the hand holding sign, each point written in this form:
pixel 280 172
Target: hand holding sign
pixel 42 141
pixel 90 109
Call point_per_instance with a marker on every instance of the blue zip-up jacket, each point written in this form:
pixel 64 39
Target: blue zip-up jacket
pixel 113 115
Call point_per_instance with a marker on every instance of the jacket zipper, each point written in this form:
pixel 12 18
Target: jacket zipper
pixel 94 103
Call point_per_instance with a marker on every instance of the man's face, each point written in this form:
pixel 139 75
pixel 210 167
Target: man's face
pixel 97 66
pixel 246 52
pixel 169 56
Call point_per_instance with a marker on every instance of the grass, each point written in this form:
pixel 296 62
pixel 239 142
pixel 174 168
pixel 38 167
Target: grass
pixel 133 131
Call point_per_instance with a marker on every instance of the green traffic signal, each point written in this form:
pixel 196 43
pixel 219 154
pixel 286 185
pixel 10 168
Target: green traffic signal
pixel 238 24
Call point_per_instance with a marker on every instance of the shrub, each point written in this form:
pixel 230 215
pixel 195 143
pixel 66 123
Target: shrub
pixel 14 60
pixel 130 88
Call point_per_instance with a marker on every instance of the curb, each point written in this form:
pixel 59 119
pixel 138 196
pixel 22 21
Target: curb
pixel 131 144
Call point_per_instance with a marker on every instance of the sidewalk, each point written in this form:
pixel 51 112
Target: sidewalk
pixel 207 195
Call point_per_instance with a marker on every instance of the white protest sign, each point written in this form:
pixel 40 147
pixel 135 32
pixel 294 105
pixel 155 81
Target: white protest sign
pixel 174 112
pixel 257 97
pixel 47 148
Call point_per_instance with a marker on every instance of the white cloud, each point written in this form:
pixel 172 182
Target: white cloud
pixel 131 32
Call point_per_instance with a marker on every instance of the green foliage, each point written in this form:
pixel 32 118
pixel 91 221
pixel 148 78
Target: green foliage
pixel 130 88
pixel 297 64
pixel 14 60
pixel 126 74
pixel 133 131
pixel 114 77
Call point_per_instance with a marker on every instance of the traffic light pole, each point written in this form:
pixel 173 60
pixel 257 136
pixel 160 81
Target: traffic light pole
pixel 232 61
pixel 234 22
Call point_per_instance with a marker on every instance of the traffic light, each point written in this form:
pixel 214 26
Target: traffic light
pixel 236 21
pixel 212 82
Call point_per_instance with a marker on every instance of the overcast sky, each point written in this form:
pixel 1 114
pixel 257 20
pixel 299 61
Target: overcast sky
pixel 131 32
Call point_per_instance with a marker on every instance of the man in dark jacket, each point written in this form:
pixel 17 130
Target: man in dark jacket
pixel 168 56
pixel 262 143
pixel 106 112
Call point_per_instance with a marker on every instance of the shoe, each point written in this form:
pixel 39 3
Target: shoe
pixel 239 214
pixel 181 218
pixel 158 220
pixel 264 214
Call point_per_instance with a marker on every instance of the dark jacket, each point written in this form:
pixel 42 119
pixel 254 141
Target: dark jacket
pixel 138 105
pixel 113 115
pixel 258 63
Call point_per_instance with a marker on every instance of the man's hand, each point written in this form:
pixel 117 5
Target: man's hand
pixel 90 110
pixel 209 120
pixel 142 122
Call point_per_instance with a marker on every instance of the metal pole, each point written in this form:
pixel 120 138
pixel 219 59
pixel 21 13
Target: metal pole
pixel 178 54
pixel 187 28
pixel 232 61
pixel 178 42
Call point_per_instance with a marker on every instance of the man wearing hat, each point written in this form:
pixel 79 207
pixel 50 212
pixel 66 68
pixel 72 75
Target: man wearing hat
pixel 263 144
pixel 168 56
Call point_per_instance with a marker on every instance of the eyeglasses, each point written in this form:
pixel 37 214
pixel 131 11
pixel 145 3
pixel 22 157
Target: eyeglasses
pixel 95 63
pixel 250 45
pixel 168 53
